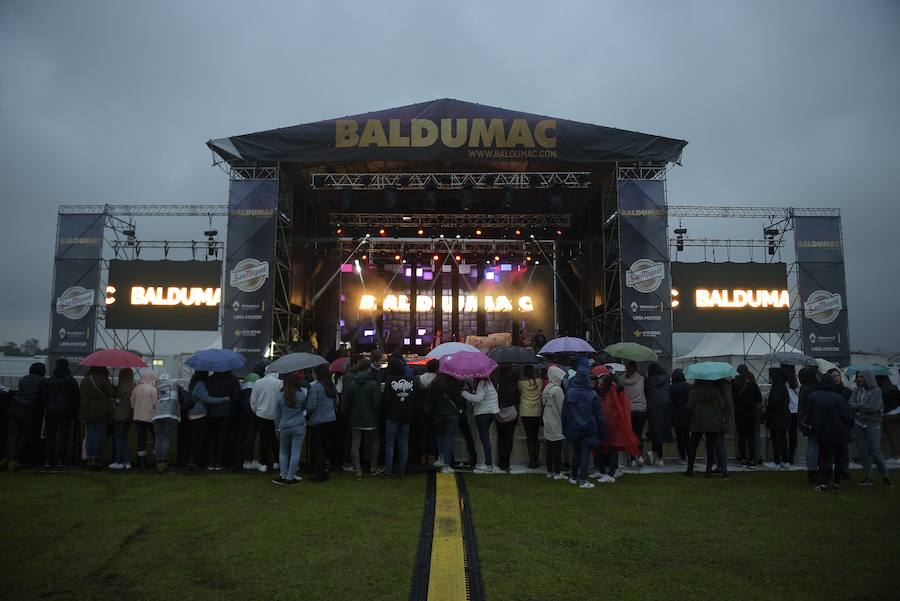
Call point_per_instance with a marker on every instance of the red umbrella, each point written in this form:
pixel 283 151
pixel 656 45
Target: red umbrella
pixel 339 366
pixel 114 358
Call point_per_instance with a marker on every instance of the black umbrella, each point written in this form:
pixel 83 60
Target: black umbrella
pixel 514 355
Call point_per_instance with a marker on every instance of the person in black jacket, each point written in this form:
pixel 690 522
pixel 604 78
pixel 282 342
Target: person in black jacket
pixel 398 406
pixel 26 408
pixel 809 383
pixel 778 417
pixel 62 404
pixel 221 384
pixel 747 401
pixel 890 417
pixel 508 399
pixel 830 421
pixel 681 412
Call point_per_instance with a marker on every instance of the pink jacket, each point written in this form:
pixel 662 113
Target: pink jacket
pixel 144 398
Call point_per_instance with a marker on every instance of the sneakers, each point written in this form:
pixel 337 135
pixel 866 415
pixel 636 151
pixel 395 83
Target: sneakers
pixel 253 465
pixel 376 470
pixel 482 469
pixel 560 476
pixel 586 485
pixel 280 480
pixel 263 469
pixel 127 466
pixel 496 469
pixel 659 462
pixel 651 457
pixel 606 479
pixel 275 466
pixel 633 464
pixel 866 482
pixel 640 461
pixel 245 465
pixel 447 470
pixel 573 481
pixel 595 475
pixel 618 473
pixel 116 466
pixel 219 468
pixel 211 467
pixel 347 468
pixel 439 462
pixel 297 478
pixel 820 487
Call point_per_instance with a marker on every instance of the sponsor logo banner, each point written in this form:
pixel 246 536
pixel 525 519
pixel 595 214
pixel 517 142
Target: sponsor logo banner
pixel 79 247
pixel 822 288
pixel 247 297
pixel 644 255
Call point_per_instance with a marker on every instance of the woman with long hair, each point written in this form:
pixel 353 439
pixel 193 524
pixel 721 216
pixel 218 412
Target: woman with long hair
pixel 322 416
pixel 508 417
pixel 290 425
pixel 747 402
pixel 530 409
pixel 121 418
pixel 97 395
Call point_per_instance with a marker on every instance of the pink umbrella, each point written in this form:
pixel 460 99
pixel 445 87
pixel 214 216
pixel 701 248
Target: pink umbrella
pixel 464 365
pixel 339 366
pixel 114 358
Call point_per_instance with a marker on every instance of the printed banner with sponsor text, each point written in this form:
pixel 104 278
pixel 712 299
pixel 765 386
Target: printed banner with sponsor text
pixel 644 255
pixel 249 268
pixel 822 287
pixel 76 280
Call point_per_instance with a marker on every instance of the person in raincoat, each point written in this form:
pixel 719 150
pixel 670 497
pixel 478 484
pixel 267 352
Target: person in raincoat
pixel 582 423
pixel 617 421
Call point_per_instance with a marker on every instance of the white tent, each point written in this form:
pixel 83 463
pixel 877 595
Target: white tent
pixel 749 349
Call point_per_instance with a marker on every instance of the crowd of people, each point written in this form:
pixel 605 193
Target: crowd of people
pixel 386 417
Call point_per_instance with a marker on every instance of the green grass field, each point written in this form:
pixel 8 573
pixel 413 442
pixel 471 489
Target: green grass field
pixel 758 536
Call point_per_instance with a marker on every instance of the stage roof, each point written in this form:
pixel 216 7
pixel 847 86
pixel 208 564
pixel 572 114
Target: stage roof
pixel 448 130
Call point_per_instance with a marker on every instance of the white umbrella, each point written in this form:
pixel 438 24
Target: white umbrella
pixel 295 362
pixel 448 348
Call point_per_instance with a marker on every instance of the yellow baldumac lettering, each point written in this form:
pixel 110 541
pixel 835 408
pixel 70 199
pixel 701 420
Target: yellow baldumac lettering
pixel 345 133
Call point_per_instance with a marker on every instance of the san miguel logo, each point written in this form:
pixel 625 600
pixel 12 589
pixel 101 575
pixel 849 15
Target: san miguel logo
pixel 249 275
pixel 75 302
pixel 452 133
pixel 645 275
pixel 823 307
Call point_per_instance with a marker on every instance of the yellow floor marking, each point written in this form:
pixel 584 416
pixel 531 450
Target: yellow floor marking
pixel 447 578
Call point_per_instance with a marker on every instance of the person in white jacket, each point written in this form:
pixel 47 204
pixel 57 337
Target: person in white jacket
pixel 262 402
pixel 483 397
pixel 552 398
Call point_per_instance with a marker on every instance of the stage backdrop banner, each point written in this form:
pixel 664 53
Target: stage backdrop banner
pixel 822 287
pixel 249 268
pixel 644 255
pixel 76 280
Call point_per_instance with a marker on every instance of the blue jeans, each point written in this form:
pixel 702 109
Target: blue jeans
pixel 120 435
pixel 581 455
pixel 812 454
pixel 445 427
pixel 94 430
pixel 483 422
pixel 395 432
pixel 868 443
pixel 720 452
pixel 290 445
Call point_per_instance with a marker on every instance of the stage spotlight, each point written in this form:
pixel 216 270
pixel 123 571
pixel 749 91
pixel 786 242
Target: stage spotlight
pixel 435 258
pixel 339 231
pixel 381 232
pixel 468 197
pixel 390 197
pixel 477 232
pixel 430 197
pixel 421 231
pixel 556 200
pixel 518 232
pixel 346 198
pixel 679 238
pixel 496 257
pixel 508 194
pixel 396 257
pixel 770 236
pixel 559 232
pixel 364 257
pixel 458 258
pixel 528 258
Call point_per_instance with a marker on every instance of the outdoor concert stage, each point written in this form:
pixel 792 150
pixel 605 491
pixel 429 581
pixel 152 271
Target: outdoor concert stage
pixel 444 219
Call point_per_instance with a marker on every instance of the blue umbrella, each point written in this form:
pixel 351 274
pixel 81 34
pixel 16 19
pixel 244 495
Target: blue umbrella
pixel 566 344
pixel 878 370
pixel 216 359
pixel 709 370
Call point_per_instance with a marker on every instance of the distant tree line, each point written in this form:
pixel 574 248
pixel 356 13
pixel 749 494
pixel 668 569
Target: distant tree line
pixel 29 348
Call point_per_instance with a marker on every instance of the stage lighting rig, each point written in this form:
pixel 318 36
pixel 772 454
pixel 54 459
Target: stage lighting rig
pixel 679 238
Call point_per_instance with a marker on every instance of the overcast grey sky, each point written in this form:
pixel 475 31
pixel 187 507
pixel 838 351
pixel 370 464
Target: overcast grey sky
pixel 783 103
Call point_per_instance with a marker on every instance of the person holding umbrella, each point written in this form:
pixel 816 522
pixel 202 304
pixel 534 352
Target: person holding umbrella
pixel 530 409
pixel 617 421
pixel 659 411
pixel 122 414
pixel 223 384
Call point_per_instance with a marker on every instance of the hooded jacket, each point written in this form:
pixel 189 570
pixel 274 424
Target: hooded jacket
pixel 63 393
pixel 97 394
pixel 398 398
pixel 866 403
pixel 265 395
pixel 122 412
pixel 448 400
pixel 363 401
pixel 484 400
pixel 582 419
pixel 681 401
pixel 320 405
pixel 747 396
pixel 809 383
pixel 168 405
pixel 777 410
pixel 144 397
pixel 828 414
pixel 553 398
pixel 32 391
pixel 529 397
